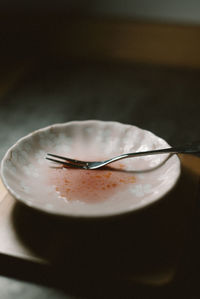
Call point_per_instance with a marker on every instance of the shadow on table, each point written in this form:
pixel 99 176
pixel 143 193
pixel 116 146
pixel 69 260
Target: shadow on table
pixel 121 256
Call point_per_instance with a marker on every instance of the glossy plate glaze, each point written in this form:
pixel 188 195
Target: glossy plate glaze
pixel 124 186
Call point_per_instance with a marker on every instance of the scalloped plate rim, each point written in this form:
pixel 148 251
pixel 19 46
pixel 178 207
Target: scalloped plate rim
pixel 77 215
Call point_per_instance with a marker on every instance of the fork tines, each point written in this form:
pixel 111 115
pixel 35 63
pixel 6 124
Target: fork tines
pixel 66 161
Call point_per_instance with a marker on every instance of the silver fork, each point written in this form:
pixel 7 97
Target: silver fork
pixel 192 148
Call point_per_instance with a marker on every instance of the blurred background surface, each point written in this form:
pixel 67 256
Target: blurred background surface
pixel 131 61
pixel 160 99
pixel 159 10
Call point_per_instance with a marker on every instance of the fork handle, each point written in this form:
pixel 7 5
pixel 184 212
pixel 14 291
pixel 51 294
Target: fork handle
pixel 190 148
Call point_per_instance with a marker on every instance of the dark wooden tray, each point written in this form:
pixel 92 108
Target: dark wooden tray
pixel 153 240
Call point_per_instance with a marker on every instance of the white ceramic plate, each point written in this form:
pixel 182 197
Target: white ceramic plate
pixel 129 185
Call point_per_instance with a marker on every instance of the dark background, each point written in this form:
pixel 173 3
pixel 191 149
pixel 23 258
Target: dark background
pixel 161 99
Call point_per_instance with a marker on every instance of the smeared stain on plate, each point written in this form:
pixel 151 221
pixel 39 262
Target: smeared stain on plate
pixel 89 185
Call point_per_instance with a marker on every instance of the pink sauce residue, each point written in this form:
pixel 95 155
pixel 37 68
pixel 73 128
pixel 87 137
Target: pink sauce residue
pixel 89 185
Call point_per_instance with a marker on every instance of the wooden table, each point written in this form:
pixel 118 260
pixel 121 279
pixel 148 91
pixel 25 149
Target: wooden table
pixel 54 251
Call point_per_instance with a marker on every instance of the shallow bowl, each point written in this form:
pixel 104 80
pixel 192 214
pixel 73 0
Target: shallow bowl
pixel 125 186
